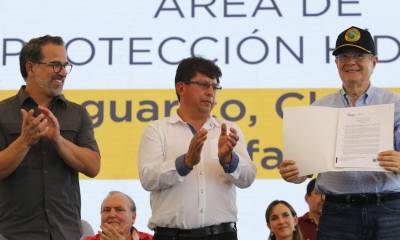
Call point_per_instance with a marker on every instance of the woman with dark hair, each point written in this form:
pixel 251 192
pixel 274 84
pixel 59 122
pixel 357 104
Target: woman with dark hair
pixel 282 221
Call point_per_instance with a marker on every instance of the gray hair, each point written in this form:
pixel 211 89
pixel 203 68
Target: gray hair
pixel 131 202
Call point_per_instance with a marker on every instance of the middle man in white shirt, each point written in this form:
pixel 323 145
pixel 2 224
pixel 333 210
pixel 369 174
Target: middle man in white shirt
pixel 191 162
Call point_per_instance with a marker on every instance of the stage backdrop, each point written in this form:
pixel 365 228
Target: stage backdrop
pixel 272 54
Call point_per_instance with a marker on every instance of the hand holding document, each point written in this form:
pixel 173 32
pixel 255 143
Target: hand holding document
pixel 322 139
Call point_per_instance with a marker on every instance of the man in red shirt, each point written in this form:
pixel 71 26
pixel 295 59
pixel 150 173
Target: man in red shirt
pixel 118 214
pixel 309 221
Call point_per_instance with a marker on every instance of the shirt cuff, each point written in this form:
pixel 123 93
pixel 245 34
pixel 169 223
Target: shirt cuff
pixel 180 166
pixel 233 164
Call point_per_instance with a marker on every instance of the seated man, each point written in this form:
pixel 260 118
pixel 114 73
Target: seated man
pixel 118 214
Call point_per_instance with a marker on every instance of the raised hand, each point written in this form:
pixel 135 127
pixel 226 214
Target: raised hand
pixel 33 128
pixel 226 143
pixel 53 127
pixel 192 157
pixel 110 233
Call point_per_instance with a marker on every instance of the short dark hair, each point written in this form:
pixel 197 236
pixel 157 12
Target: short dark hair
pixel 32 51
pixel 189 67
pixel 310 187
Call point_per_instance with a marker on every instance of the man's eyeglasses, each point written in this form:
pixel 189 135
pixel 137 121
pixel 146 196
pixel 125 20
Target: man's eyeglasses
pixel 206 85
pixel 57 66
pixel 344 57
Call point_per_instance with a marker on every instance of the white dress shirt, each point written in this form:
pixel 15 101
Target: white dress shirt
pixel 206 195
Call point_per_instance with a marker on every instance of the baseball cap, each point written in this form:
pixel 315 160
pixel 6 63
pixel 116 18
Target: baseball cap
pixel 357 38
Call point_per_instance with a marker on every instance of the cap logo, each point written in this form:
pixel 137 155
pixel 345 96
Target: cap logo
pixel 352 35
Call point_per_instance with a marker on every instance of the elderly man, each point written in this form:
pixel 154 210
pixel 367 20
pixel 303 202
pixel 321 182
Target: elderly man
pixel 192 162
pixel 358 205
pixel 118 214
pixel 45 142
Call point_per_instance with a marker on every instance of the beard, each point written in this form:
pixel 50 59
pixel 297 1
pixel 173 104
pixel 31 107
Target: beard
pixel 52 87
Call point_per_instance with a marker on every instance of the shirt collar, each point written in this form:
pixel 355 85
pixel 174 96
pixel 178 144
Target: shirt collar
pixel 306 217
pixel 367 96
pixel 210 123
pixel 25 99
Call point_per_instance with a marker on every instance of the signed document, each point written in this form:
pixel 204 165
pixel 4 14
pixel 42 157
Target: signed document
pixel 322 139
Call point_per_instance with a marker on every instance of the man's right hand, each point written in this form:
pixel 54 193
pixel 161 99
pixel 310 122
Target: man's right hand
pixel 33 128
pixel 192 157
pixel 109 232
pixel 289 171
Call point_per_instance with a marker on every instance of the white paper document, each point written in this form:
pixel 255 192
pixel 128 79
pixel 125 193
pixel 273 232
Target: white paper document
pixel 322 139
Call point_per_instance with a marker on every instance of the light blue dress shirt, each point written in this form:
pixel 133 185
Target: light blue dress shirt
pixel 362 182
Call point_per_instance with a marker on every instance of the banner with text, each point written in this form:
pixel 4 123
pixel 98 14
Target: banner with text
pixel 120 115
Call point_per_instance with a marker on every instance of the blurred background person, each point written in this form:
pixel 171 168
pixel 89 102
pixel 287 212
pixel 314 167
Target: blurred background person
pixel 308 223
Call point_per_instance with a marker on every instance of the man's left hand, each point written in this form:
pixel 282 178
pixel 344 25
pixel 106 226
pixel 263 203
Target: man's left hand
pixel 390 160
pixel 226 143
pixel 53 127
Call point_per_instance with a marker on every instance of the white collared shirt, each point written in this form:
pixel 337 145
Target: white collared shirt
pixel 206 196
